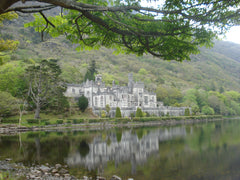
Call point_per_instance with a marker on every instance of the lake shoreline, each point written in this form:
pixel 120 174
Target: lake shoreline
pixel 61 170
pixel 13 128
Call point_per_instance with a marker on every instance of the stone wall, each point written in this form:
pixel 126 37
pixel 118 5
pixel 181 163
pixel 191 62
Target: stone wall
pixel 159 111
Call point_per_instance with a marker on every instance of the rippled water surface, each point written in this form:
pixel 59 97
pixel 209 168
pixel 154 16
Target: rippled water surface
pixel 201 151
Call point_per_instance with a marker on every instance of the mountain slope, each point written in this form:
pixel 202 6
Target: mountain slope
pixel 212 69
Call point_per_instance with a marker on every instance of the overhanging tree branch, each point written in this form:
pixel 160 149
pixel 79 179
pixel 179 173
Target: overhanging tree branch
pixel 47 22
pixel 31 9
pixel 128 25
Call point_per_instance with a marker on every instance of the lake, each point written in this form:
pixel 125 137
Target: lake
pixel 187 152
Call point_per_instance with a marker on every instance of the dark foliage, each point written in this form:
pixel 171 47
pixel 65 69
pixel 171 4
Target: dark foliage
pixel 82 103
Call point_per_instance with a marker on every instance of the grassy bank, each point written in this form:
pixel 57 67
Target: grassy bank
pixel 85 118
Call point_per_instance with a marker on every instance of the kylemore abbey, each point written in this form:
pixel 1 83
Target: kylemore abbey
pixel 127 98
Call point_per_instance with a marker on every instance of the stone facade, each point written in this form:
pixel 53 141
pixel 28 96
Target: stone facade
pixel 127 98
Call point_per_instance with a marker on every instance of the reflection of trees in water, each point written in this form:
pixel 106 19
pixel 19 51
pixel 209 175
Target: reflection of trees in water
pixel 119 135
pixel 50 151
pixel 83 148
pixel 140 133
pixel 38 150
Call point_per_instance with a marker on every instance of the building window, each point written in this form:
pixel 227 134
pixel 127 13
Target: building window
pixel 96 101
pixel 73 90
pixel 101 101
pixel 146 100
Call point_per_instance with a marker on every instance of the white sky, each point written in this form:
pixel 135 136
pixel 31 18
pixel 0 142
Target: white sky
pixel 233 35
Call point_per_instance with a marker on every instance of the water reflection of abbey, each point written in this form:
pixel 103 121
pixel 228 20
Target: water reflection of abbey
pixel 129 148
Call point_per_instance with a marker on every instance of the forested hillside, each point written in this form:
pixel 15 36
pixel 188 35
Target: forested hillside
pixel 213 70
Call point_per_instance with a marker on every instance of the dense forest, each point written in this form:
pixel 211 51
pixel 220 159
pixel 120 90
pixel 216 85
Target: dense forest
pixel 209 83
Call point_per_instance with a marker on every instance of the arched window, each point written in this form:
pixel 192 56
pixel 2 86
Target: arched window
pixel 96 101
pixel 101 101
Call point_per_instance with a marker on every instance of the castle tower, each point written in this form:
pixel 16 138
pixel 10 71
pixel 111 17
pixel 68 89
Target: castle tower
pixel 130 82
pixel 98 79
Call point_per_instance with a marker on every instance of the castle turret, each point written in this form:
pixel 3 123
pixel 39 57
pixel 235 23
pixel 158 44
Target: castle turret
pixel 130 82
pixel 98 78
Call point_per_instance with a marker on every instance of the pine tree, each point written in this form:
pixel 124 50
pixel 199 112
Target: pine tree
pixel 139 112
pixel 92 70
pixel 82 103
pixel 118 113
pixel 108 108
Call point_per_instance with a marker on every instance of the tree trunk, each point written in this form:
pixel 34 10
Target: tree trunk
pixel 20 118
pixel 37 112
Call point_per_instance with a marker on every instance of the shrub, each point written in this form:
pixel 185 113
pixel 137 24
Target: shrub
pixel 118 113
pixel 32 121
pixel 139 112
pixel 78 121
pixel 82 103
pixel 59 121
pixel 44 120
pixel 11 121
pixel 121 120
pixel 147 114
pixel 108 108
pixel 8 104
pixel 132 115
pixel 207 110
pixel 103 114
pixel 146 119
pixel 187 112
pixel 47 123
pixel 97 120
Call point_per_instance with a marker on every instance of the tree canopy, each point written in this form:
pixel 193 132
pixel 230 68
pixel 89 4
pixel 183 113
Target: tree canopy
pixel 8 104
pixel 118 113
pixel 6 44
pixel 83 103
pixel 91 72
pixel 44 84
pixel 170 29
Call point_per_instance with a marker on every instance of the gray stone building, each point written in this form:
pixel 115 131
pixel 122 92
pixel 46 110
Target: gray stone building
pixel 127 98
